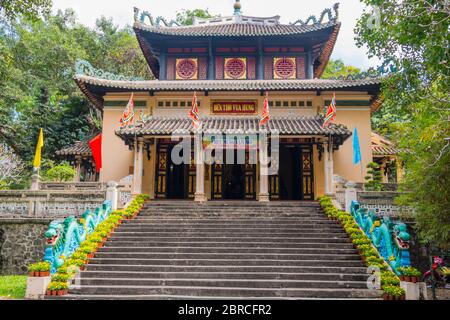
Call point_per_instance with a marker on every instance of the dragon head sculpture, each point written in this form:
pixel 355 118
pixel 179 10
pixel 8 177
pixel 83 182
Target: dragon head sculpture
pixel 54 233
pixel 401 236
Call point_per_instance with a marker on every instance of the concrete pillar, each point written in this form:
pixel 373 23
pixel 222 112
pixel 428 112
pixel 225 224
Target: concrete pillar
pixel 138 167
pixel 326 171
pixel 112 194
pixel 35 182
pixel 77 169
pixel 200 195
pixel 331 168
pixel 328 168
pixel 350 195
pixel 263 170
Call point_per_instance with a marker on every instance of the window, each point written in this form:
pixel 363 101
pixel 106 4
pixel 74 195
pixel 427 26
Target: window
pixel 175 103
pixel 290 103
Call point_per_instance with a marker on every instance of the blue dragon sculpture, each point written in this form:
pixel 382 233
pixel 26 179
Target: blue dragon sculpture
pixel 84 68
pixel 63 237
pixel 390 238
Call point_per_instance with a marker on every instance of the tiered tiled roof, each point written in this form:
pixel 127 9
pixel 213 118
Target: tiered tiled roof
pixel 306 125
pixel 382 146
pixel 80 148
pixel 95 88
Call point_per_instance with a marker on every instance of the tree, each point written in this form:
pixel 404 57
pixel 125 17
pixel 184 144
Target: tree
pixel 36 87
pixel 413 36
pixel 31 9
pixel 186 17
pixel 373 178
pixel 11 166
pixel 337 68
pixel 60 173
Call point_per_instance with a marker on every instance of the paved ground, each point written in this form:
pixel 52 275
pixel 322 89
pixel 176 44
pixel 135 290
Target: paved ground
pixel 442 294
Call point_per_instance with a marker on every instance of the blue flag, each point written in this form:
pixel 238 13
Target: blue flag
pixel 356 148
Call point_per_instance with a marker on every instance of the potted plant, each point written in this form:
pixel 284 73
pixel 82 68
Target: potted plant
pixel 409 274
pixel 39 269
pixel 61 277
pixel 57 288
pixel 392 292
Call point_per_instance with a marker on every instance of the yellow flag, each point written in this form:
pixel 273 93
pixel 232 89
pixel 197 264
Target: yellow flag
pixel 40 144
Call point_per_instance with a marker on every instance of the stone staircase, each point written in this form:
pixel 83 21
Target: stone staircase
pixel 226 250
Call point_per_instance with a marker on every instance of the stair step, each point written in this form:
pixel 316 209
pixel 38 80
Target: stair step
pixel 229 239
pixel 271 244
pixel 228 291
pixel 223 275
pixel 221 250
pixel 224 268
pixel 218 233
pixel 217 283
pixel 205 262
pixel 230 256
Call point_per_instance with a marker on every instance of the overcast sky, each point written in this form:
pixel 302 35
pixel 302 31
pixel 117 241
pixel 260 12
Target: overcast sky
pixel 289 10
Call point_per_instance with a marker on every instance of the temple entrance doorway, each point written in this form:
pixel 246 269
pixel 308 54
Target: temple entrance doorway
pixel 233 181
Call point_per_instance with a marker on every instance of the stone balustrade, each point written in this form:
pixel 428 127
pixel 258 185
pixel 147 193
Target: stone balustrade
pixel 48 204
pixel 72 186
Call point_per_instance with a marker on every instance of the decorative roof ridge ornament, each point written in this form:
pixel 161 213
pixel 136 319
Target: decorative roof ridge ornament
pixel 237 8
pixel 84 68
pixel 327 12
pixel 158 22
pixel 385 69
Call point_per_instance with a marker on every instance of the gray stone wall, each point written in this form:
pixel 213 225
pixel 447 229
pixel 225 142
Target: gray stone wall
pixel 21 243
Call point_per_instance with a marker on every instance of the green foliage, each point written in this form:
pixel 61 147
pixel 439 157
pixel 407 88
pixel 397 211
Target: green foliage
pixel 13 287
pixel 36 85
pixel 61 277
pixel 32 9
pixel 373 178
pixel 416 110
pixel 393 290
pixel 39 267
pixel 63 172
pixel 55 286
pixel 409 271
pixel 337 68
pixel 186 17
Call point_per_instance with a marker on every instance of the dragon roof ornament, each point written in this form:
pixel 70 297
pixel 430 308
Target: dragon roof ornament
pixel 144 17
pixel 327 12
pixel 158 22
pixel 83 67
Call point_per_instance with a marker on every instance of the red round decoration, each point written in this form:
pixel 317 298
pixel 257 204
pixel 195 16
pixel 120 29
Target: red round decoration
pixel 186 68
pixel 235 68
pixel 285 68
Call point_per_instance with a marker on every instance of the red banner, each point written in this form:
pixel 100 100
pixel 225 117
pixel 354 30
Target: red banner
pixel 96 147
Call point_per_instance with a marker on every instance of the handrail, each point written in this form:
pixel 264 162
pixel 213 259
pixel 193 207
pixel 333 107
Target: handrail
pixel 65 236
pixel 390 238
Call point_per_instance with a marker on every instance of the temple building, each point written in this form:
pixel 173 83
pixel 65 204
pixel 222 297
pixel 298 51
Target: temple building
pixel 231 64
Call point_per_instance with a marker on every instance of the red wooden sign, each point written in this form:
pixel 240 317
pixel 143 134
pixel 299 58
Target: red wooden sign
pixel 234 107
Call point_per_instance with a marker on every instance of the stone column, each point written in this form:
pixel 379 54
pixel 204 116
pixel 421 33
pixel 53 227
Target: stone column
pixel 263 170
pixel 331 168
pixel 350 195
pixel 77 169
pixel 35 182
pixel 328 168
pixel 200 195
pixel 138 167
pixel 112 194
pixel 326 171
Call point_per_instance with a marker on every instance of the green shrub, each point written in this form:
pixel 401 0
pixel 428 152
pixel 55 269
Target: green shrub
pixel 58 286
pixel 395 291
pixel 60 173
pixel 39 267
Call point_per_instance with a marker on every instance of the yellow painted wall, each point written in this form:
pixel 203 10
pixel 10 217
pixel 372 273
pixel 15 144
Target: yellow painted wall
pixel 117 159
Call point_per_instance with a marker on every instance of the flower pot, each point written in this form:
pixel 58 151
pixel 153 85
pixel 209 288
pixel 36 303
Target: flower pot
pixel 32 274
pixel 402 278
pixel 387 297
pixel 44 274
pixel 414 279
pixel 48 293
pixel 407 278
